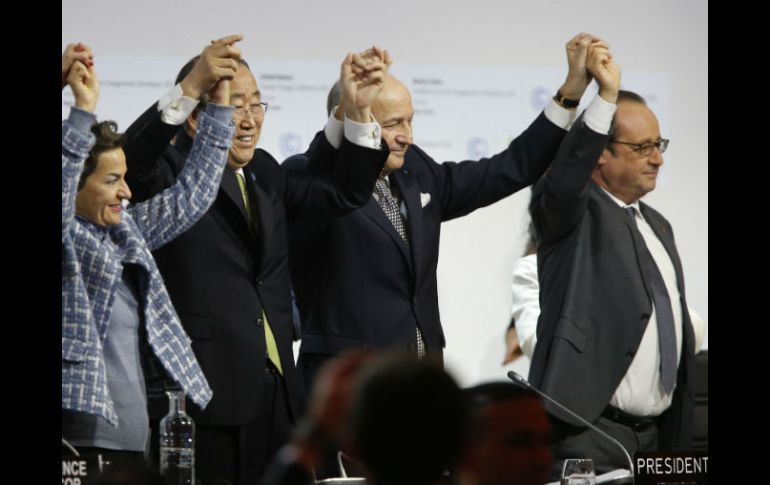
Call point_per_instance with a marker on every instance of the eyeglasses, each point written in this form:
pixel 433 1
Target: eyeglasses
pixel 645 149
pixel 256 109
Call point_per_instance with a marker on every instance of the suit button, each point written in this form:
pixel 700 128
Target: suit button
pixel 414 300
pixel 410 347
pixel 630 353
pixel 259 283
pixel 259 322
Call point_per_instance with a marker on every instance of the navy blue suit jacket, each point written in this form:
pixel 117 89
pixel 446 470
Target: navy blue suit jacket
pixel 359 285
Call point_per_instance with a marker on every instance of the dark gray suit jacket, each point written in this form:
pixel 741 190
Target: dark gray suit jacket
pixel 594 299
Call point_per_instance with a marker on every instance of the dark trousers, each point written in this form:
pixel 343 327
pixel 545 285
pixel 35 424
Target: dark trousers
pixel 572 442
pixel 114 457
pixel 239 455
pixel 118 466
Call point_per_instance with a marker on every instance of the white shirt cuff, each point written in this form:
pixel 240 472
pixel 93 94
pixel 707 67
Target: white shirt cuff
pixel 598 115
pixel 528 346
pixel 559 115
pixel 333 130
pixel 174 107
pixel 363 134
pixel 698 327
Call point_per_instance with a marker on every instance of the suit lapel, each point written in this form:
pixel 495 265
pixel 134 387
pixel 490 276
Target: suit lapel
pixel 621 214
pixel 666 239
pixel 373 210
pixel 230 187
pixel 232 192
pixel 410 194
pixel 262 211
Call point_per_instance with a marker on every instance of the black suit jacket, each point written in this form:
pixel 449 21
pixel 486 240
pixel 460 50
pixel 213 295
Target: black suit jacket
pixel 221 277
pixel 359 285
pixel 593 298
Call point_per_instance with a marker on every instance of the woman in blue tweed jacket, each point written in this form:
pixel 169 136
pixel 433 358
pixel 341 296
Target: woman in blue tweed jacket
pixel 119 328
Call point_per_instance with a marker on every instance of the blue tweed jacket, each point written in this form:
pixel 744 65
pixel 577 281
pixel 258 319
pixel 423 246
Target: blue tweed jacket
pixel 92 264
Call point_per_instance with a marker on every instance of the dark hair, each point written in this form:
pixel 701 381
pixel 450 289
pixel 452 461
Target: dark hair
pixel 408 420
pixel 497 391
pixel 533 241
pixel 333 99
pixel 107 138
pixel 482 395
pixel 204 99
pixel 630 97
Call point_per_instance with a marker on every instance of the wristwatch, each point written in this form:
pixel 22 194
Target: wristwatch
pixel 565 102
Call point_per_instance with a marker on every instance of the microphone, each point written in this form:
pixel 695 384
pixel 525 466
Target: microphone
pixel 71 448
pixel 520 380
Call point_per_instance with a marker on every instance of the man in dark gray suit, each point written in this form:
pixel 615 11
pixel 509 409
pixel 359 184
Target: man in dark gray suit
pixel 615 341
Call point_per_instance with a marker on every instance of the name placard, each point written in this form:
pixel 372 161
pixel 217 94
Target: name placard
pixel 687 467
pixel 75 469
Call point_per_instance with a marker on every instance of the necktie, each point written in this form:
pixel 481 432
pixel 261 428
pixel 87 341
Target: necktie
pixel 272 347
pixel 662 301
pixel 245 195
pixel 270 344
pixel 391 209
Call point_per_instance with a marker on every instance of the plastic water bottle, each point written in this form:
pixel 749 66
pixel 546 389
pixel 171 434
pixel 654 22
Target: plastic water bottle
pixel 177 442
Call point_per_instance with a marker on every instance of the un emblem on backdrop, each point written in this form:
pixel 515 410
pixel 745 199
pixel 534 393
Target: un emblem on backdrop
pixel 290 144
pixel 477 147
pixel 540 97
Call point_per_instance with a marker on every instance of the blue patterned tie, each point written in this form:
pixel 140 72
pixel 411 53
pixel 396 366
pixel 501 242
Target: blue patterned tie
pixel 662 301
